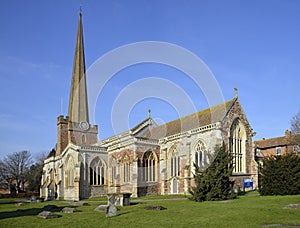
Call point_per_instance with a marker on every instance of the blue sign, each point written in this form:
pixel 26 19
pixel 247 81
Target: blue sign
pixel 248 183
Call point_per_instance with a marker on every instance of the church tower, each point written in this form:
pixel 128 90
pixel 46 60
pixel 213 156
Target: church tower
pixel 76 128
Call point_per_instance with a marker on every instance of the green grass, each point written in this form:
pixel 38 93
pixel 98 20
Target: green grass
pixel 242 212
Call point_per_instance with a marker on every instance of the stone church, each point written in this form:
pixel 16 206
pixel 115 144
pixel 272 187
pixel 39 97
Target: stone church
pixel 147 159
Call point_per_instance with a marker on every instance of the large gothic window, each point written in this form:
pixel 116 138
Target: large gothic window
pixel 237 146
pixel 201 155
pixel 149 166
pixel 174 162
pixel 69 172
pixel 97 172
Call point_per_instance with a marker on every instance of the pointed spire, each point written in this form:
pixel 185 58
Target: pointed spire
pixel 78 103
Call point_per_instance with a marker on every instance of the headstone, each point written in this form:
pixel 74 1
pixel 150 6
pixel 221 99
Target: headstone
pixel 20 204
pixel 111 209
pixel 47 215
pixel 33 199
pixel 69 210
pixel 126 199
pixel 155 208
pixel 292 206
pixel 101 208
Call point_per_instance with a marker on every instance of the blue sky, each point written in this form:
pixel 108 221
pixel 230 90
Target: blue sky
pixel 254 45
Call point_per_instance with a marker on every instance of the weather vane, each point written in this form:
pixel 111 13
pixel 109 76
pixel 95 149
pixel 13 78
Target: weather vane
pixel 235 92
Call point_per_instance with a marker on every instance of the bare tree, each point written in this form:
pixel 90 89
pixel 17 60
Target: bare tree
pixel 294 137
pixel 295 124
pixel 14 169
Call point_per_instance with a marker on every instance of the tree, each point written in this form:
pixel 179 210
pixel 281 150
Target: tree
pixel 35 173
pixel 280 175
pixel 295 124
pixel 14 169
pixel 214 182
pixel 293 138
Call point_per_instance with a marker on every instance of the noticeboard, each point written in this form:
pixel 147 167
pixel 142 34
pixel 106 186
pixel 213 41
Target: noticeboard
pixel 248 183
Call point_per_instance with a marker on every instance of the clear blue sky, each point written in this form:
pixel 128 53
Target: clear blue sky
pixel 254 45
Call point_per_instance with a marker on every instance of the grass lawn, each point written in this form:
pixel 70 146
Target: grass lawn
pixel 246 211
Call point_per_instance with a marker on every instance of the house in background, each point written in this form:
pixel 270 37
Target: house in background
pixel 276 146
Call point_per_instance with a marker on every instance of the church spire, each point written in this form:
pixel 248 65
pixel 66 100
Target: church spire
pixel 78 103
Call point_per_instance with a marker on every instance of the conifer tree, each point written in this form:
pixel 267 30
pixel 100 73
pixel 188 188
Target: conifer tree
pixel 214 183
pixel 280 175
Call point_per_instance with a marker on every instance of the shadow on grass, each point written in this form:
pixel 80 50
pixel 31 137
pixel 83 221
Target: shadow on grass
pixel 28 212
pixel 123 213
pixel 135 203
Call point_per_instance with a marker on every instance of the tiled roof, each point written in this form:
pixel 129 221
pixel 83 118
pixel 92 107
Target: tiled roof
pixel 278 141
pixel 195 120
pixel 271 142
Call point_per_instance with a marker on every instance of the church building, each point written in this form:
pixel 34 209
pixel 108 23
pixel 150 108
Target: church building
pixel 147 159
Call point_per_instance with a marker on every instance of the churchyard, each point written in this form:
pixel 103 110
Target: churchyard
pixel 250 210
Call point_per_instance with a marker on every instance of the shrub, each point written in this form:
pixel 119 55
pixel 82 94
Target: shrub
pixel 280 175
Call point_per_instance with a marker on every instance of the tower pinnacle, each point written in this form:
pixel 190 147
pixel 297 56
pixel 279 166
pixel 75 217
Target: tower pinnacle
pixel 78 103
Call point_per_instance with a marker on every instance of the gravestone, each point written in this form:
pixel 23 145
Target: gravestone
pixel 20 204
pixel 155 208
pixel 69 210
pixel 111 209
pixel 47 215
pixel 292 206
pixel 33 199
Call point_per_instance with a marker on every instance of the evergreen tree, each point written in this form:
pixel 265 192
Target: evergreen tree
pixel 280 175
pixel 214 182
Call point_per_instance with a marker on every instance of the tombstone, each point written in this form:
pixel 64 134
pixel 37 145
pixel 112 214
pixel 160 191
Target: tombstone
pixel 111 209
pixel 33 199
pixel 47 215
pixel 155 208
pixel 292 206
pixel 126 199
pixel 20 204
pixel 69 210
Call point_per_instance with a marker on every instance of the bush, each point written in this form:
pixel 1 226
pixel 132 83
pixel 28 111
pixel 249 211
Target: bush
pixel 280 175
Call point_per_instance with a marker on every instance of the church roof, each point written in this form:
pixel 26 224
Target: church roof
pixel 78 104
pixel 204 117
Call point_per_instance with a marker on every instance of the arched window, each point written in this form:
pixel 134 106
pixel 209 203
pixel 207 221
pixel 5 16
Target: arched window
pixel 69 172
pixel 237 146
pixel 174 161
pixel 126 168
pixel 113 167
pixel 201 155
pixel 83 139
pixel 97 172
pixel 149 166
